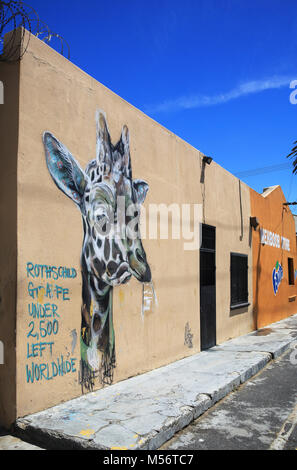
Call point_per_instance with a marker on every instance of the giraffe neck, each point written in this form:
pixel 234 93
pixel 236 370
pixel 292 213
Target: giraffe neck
pixel 97 332
pixel 105 341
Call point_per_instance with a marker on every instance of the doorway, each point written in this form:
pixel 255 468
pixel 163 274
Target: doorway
pixel 208 287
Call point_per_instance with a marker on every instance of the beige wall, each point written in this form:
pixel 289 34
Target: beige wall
pixel 227 207
pixel 58 97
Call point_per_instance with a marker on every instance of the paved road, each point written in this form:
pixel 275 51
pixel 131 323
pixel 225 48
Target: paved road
pixel 260 414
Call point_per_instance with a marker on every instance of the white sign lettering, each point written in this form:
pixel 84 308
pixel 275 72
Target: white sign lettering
pixel 273 239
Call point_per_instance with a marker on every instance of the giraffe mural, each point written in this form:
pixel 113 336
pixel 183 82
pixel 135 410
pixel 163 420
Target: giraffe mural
pixel 106 260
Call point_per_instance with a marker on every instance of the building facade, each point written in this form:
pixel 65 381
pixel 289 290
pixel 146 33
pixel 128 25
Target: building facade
pixel 79 310
pixel 274 257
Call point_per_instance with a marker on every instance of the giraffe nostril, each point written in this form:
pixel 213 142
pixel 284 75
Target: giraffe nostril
pixel 111 268
pixel 140 256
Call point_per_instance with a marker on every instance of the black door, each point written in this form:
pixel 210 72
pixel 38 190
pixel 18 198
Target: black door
pixel 208 287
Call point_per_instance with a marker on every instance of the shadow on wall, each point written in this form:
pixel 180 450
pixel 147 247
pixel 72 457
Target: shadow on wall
pixel 239 311
pixel 1 353
pixel 258 275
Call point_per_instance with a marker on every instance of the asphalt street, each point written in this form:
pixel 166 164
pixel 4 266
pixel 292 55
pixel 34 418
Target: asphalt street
pixel 261 414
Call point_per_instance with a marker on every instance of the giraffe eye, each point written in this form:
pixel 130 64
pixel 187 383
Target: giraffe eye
pixel 101 218
pixel 100 213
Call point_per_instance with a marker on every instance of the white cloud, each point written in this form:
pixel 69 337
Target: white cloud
pixel 198 101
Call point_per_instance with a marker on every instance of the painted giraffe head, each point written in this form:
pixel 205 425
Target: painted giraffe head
pixel 104 193
pixel 97 192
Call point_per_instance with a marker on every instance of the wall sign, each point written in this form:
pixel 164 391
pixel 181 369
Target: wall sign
pixel 273 239
pixel 277 276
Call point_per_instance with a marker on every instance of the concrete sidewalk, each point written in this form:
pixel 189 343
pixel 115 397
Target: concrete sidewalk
pixel 145 411
pixel 8 442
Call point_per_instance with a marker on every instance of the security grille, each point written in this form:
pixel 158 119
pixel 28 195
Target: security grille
pixel 239 280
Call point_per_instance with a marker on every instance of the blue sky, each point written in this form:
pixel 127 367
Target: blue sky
pixel 215 72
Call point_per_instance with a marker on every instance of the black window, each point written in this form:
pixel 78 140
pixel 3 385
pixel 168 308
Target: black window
pixel 291 271
pixel 239 280
pixel 208 237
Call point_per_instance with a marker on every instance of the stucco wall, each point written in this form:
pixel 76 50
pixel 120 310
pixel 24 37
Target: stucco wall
pixel 227 206
pixel 269 306
pixel 56 96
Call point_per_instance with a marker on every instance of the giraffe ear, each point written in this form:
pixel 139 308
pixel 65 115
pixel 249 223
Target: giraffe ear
pixel 126 144
pixel 103 142
pixel 140 190
pixel 64 169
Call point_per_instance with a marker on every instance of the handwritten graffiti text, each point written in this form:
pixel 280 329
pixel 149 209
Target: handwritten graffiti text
pixel 44 322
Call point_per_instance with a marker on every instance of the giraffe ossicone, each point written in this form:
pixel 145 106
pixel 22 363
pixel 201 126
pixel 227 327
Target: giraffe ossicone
pixel 104 193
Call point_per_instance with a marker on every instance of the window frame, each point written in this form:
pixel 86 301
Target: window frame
pixel 291 272
pixel 244 302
